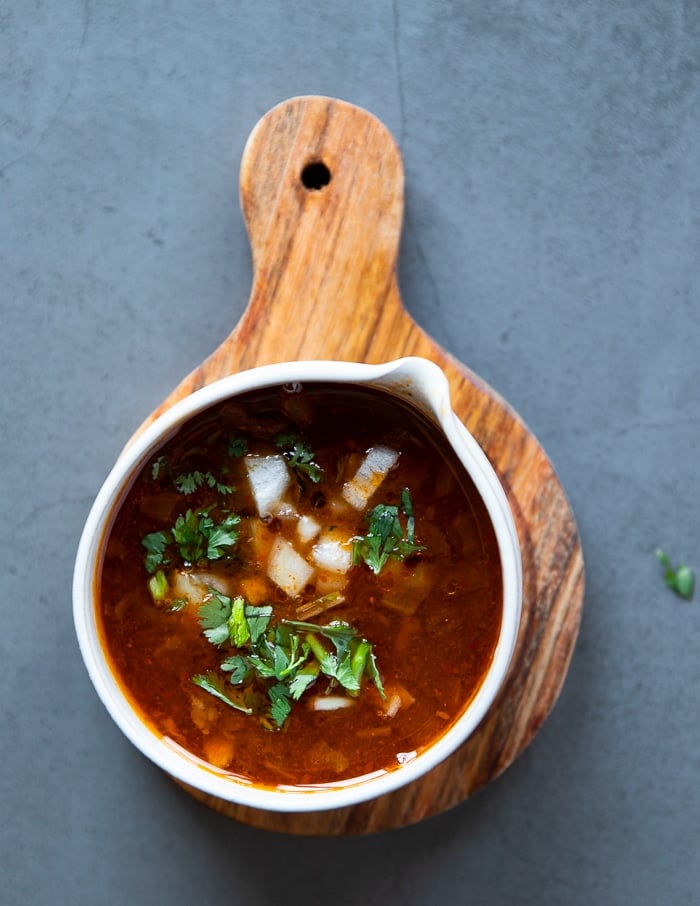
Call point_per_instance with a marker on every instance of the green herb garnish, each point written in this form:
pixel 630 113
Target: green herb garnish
pixel 225 619
pixel 386 538
pixel 285 658
pixel 156 544
pixel 237 446
pixel 160 592
pixel 158 586
pixel 190 481
pixel 300 456
pixel 196 536
pixel 159 467
pixel 215 685
pixel 680 579
pixel 280 707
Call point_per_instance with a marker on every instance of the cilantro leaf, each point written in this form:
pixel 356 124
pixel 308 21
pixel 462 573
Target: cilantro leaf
pixel 188 537
pixel 159 467
pixel 189 483
pixel 258 620
pixel 292 652
pixel 680 579
pixel 220 537
pixel 300 456
pixel 346 675
pixel 214 685
pixel 237 446
pixel 215 610
pixel 155 544
pixel 373 673
pixel 385 539
pixel 336 665
pixel 281 706
pixel 339 632
pixel 302 680
pixel 213 616
pixel 239 668
pixel 263 662
pixel 197 537
pixel 218 635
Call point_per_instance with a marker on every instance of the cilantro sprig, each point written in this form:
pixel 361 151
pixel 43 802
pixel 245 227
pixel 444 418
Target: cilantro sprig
pixel 195 536
pixel 300 456
pixel 156 544
pixel 215 685
pixel 237 446
pixel 284 658
pixel 386 538
pixel 188 482
pixel 680 579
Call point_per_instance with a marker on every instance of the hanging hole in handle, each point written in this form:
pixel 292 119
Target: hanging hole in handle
pixel 315 176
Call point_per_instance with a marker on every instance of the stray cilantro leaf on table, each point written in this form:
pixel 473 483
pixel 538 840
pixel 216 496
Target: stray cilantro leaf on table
pixel 680 579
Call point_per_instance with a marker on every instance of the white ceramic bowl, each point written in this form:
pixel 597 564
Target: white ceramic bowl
pixel 414 379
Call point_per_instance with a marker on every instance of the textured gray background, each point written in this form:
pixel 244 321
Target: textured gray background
pixel 552 241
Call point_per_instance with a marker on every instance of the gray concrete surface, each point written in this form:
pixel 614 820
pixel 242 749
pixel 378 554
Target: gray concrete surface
pixel 552 241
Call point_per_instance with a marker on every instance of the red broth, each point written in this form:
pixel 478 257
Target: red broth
pixel 432 618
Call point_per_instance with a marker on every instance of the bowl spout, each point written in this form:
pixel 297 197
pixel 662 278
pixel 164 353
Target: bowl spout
pixel 420 382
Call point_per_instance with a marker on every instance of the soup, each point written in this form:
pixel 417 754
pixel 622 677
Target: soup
pixel 302 586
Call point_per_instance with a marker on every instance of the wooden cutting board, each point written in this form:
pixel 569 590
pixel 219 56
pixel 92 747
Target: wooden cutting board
pixel 321 188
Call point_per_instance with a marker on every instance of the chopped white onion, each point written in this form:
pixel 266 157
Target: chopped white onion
pixel 307 529
pixel 288 569
pixel 194 586
pixel 328 581
pixel 332 554
pixel 269 479
pixel 330 702
pixel 284 510
pixel 391 708
pixel 397 697
pixel 372 471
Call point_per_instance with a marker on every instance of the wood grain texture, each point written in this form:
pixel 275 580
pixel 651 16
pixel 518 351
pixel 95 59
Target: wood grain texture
pixel 325 287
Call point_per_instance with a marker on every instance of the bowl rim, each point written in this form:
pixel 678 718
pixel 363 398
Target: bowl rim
pixel 183 766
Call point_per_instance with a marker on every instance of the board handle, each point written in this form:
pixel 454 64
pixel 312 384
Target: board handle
pixel 321 187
